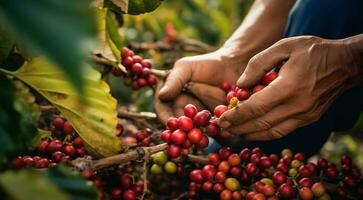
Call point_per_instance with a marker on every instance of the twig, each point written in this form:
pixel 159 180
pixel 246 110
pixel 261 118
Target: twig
pixel 136 154
pixel 131 115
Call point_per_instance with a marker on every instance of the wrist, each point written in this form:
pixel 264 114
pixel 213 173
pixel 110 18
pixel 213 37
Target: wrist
pixel 234 56
pixel 353 47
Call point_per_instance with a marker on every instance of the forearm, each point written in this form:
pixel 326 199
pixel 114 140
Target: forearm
pixel 263 26
pixel 355 54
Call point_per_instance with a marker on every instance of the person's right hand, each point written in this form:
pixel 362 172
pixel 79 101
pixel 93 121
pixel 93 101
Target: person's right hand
pixel 200 76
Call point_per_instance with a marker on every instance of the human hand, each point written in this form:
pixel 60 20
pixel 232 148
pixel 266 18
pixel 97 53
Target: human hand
pixel 316 72
pixel 199 76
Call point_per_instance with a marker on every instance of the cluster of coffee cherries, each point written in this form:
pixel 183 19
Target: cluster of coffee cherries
pixel 139 73
pixel 186 132
pixel 236 94
pixel 63 146
pixel 116 185
pixel 253 175
pixel 161 163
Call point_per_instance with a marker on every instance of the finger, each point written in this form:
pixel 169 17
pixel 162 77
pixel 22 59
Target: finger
pixel 257 105
pixel 275 132
pixel 265 122
pixel 182 100
pixel 210 96
pixel 175 82
pixel 162 109
pixel 262 63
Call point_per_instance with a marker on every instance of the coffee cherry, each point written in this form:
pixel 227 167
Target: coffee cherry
pixel 299 156
pixel 126 181
pixel 259 186
pixel 226 195
pixel 251 169
pixel 116 193
pixel 219 110
pixel 129 195
pixel 128 62
pixel 196 176
pixel 156 169
pixel 185 123
pixel 203 143
pixel 251 195
pixel 312 167
pixel 160 158
pixel 57 156
pixel 349 181
pixel 28 161
pixel 295 164
pixel 305 182
pixel 292 172
pixel 224 153
pixel 208 172
pixel 282 167
pixel 322 163
pixel 54 145
pixel 304 171
pixel 77 142
pixel 346 160
pixel 268 190
pixel 152 80
pixel 195 135
pixel 207 186
pixel 223 167
pixel 214 159
pixel 165 136
pixel 58 122
pixel 279 178
pixel 286 190
pixel 331 173
pixel 225 86
pixel 68 128
pixel 255 158
pixel 243 94
pixel 170 167
pixel 232 184
pixel 137 59
pixel 233 102
pixel 235 171
pixel 212 129
pixel 237 195
pixel 318 189
pixel 145 73
pixel 265 162
pixel 43 145
pixel 81 151
pixel 202 118
pixel 306 193
pixel 18 162
pixel 218 187
pixel 173 151
pixel 187 144
pixel 88 173
pixel 146 63
pixel 245 154
pixel 125 52
pixel 69 150
pixel 268 78
pixel 257 88
pixel 220 177
pixel 342 193
pixel 234 159
pixel 230 95
pixel 178 136
pixel 190 111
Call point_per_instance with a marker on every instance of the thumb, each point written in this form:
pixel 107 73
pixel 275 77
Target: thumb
pixel 262 63
pixel 175 82
pixel 210 96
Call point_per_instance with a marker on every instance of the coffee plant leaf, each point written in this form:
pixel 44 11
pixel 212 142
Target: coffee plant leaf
pixel 136 7
pixel 94 118
pixel 58 183
pixel 64 31
pixel 17 125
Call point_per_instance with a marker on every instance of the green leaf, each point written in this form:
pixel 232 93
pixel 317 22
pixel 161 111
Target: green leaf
pixel 94 119
pixel 71 183
pixel 6 43
pixel 25 185
pixel 61 30
pixel 58 183
pixel 17 125
pixel 136 7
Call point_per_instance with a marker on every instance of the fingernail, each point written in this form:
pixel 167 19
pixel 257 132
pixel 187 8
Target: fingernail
pixel 224 124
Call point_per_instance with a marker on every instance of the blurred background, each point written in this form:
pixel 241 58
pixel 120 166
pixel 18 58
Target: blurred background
pixel 210 22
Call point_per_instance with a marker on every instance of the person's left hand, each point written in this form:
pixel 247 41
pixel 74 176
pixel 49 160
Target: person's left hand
pixel 316 72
